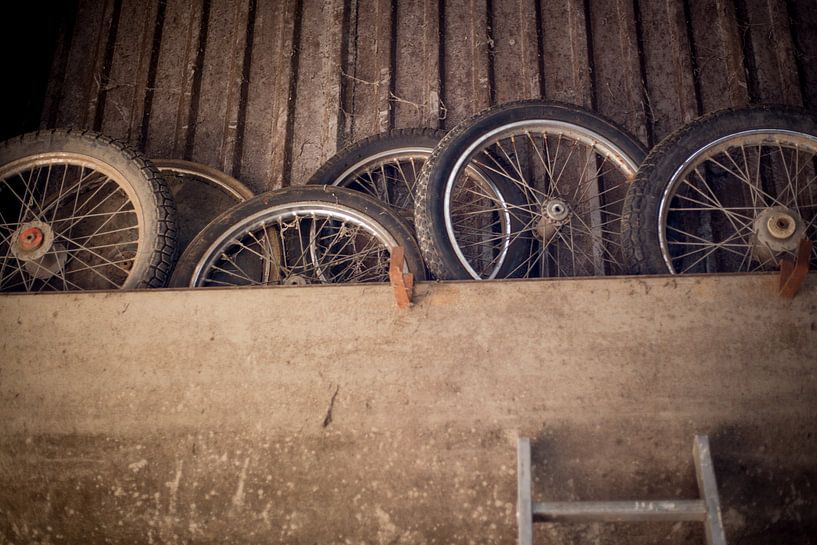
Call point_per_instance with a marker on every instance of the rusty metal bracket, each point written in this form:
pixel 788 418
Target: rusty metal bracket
pixel 402 283
pixel 792 273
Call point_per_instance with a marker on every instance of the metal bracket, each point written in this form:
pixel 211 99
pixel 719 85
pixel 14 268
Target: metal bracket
pixel 792 273
pixel 706 510
pixel 402 283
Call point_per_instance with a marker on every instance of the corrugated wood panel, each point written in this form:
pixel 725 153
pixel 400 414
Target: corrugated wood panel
pixel 466 60
pixel 517 59
pixel 773 69
pixel 369 74
pixel 718 54
pixel 618 92
pixel 803 25
pixel 268 90
pixel 567 73
pixel 667 66
pixel 416 99
pixel 176 72
pixel 120 103
pixel 267 99
pixel 317 89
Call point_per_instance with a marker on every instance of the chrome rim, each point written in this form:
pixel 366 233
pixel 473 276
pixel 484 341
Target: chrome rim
pixel 741 203
pixel 298 244
pixel 67 222
pixel 389 176
pixel 566 187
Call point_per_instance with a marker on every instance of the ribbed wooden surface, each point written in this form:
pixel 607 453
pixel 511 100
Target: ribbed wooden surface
pixel 268 89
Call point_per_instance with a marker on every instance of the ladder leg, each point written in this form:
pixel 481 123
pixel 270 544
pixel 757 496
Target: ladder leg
pixel 524 501
pixel 708 489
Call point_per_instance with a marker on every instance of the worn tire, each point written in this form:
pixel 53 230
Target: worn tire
pixel 641 223
pixel 335 170
pixel 145 187
pixel 197 250
pixel 437 248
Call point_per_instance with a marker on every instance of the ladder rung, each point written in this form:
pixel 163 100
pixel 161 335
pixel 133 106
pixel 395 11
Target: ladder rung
pixel 619 511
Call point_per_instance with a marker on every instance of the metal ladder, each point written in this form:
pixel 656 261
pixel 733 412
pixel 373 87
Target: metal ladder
pixel 706 510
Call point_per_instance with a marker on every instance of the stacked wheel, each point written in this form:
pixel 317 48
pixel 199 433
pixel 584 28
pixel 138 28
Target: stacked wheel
pixel 528 189
pixel 385 167
pixel 79 211
pixel 735 191
pixel 299 236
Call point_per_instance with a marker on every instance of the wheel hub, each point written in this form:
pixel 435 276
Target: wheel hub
pixel 777 230
pixel 32 241
pixel 555 213
pixel 33 244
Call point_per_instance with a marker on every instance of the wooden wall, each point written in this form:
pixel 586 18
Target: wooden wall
pixel 268 89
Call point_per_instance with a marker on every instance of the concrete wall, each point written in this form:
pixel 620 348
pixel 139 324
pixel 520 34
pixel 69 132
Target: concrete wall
pixel 326 415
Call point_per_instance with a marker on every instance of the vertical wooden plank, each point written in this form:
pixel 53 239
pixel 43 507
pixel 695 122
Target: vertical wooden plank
pixel 566 58
pixel 803 26
pixel 93 21
pixel 417 85
pixel 314 137
pixel 774 60
pixel 262 157
pixel 102 68
pixel 516 50
pixel 618 81
pixel 237 85
pixel 175 71
pixel 668 66
pixel 467 89
pixel 368 78
pixel 127 81
pixel 722 78
pixel 214 135
pixel 59 64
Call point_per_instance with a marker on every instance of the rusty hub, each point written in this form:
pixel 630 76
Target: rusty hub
pixel 777 230
pixel 33 244
pixel 30 239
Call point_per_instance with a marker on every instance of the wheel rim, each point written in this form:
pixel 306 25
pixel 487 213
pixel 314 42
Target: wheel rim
pixel 67 222
pixel 228 185
pixel 571 184
pixel 297 244
pixel 741 203
pixel 389 176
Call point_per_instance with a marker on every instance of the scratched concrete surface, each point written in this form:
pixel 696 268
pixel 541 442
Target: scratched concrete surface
pixel 326 415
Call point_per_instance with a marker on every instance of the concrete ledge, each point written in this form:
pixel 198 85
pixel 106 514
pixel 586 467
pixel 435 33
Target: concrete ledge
pixel 325 414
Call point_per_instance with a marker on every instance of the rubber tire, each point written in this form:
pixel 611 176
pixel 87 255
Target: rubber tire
pixel 331 170
pixel 373 208
pixel 640 229
pixel 156 252
pixel 429 214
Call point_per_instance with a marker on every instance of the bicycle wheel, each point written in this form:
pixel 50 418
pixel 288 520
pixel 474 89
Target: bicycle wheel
pixel 79 211
pixel 565 172
pixel 299 236
pixel 733 191
pixel 384 166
